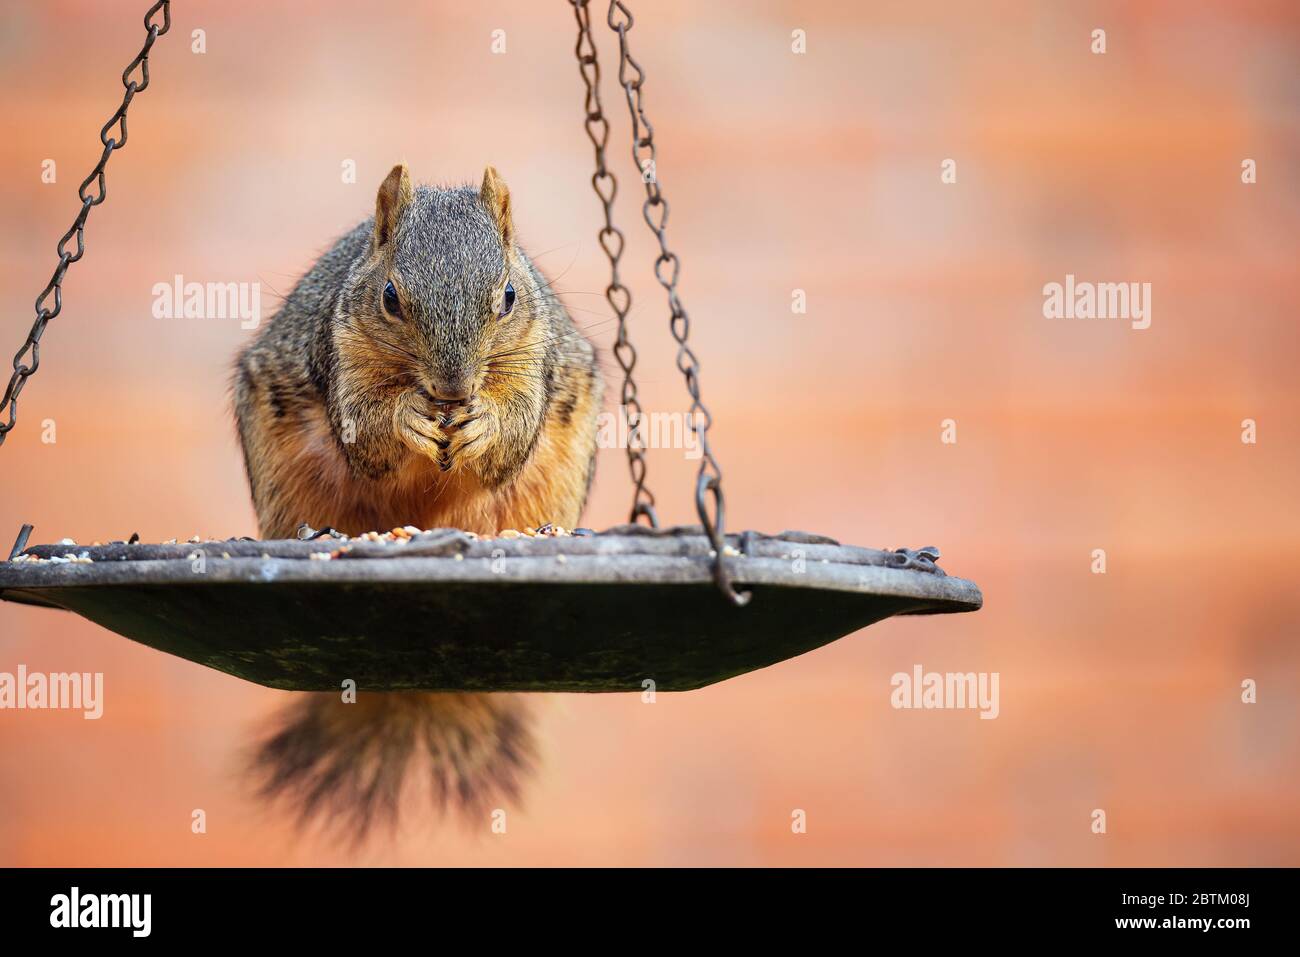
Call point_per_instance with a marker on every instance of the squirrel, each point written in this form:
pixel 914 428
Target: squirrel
pixel 422 372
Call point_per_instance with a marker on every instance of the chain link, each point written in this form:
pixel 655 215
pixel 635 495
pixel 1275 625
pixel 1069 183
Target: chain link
pixel 611 240
pixel 709 500
pixel 23 368
pixel 667 269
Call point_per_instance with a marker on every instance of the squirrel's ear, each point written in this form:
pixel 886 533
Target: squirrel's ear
pixel 495 197
pixel 395 194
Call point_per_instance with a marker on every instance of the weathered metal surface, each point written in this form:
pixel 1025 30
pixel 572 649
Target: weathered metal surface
pixel 445 611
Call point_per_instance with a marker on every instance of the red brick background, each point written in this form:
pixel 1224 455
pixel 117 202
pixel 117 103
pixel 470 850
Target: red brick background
pixel 817 172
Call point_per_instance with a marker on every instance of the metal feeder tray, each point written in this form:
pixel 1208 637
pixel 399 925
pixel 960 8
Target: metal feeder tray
pixel 447 611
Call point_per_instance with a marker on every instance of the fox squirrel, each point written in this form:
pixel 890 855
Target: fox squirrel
pixel 421 373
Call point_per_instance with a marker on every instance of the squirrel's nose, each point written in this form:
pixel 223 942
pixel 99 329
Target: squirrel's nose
pixel 446 393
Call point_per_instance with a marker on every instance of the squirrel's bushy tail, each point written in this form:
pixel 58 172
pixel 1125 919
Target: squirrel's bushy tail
pixel 348 765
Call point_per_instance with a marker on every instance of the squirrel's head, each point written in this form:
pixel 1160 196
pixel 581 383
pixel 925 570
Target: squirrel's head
pixel 443 302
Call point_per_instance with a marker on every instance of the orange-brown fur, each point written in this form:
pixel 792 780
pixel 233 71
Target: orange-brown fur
pixel 455 412
pixel 316 486
pixel 407 464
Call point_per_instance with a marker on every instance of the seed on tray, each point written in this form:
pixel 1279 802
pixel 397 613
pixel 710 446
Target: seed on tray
pixel 82 559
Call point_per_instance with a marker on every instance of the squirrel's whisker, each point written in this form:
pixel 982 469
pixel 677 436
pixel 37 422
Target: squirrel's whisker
pixel 562 337
pixel 547 252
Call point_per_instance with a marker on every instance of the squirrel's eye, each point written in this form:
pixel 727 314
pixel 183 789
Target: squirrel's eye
pixel 507 300
pixel 391 304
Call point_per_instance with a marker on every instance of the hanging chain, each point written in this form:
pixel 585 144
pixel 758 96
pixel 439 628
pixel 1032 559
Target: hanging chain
pixel 611 240
pixel 667 267
pixel 23 368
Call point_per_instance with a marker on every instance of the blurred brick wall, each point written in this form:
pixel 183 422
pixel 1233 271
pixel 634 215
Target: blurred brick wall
pixel 818 172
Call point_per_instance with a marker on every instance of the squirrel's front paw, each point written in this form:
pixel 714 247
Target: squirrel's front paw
pixel 467 430
pixel 418 425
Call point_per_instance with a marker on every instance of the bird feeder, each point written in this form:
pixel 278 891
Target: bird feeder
pixel 633 607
